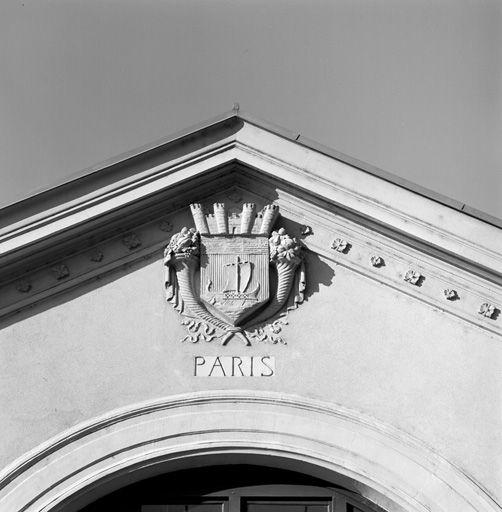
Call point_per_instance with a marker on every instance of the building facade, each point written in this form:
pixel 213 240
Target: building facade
pixel 238 318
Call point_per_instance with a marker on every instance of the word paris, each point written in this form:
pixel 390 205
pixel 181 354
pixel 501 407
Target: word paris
pixel 234 366
pixel 217 275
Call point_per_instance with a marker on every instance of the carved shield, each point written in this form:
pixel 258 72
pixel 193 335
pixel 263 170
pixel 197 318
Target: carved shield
pixel 234 275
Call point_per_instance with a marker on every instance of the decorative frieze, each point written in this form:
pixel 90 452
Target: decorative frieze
pixel 451 290
pixel 40 282
pixel 436 275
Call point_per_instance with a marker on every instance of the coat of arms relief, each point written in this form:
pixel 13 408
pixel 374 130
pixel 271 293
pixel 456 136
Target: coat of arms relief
pixel 232 276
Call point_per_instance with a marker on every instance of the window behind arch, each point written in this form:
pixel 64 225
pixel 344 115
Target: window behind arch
pixel 232 488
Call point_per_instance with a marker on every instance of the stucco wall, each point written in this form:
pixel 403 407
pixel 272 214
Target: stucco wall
pixel 354 342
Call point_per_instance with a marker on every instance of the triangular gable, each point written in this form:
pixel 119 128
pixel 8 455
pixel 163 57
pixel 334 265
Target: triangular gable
pixel 385 343
pixel 43 237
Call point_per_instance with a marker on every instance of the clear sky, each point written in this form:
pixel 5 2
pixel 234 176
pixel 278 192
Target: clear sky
pixel 411 86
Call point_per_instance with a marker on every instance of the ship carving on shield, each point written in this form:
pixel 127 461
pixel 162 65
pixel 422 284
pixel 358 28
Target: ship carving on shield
pixel 218 275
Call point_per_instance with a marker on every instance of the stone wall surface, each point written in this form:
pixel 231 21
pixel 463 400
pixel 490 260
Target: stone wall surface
pixel 354 342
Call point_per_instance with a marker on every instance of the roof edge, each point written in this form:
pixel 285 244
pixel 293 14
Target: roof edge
pixel 373 170
pixel 123 157
pixel 293 136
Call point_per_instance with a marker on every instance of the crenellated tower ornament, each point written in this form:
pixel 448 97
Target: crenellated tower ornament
pixel 217 275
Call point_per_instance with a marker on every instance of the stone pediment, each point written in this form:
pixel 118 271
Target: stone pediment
pixel 355 216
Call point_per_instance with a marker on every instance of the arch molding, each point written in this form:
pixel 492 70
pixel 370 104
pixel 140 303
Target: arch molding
pixel 324 440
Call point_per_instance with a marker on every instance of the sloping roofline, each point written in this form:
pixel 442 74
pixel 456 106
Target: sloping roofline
pixel 312 183
pixel 90 172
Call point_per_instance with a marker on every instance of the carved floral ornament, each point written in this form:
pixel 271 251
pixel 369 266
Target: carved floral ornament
pixel 340 245
pixel 412 277
pixel 376 261
pixel 131 241
pixel 60 271
pixel 23 286
pixel 217 275
pixel 487 310
pixel 450 294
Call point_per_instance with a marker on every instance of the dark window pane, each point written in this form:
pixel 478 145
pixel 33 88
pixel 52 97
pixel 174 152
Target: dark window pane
pixel 351 508
pixel 286 506
pixel 184 507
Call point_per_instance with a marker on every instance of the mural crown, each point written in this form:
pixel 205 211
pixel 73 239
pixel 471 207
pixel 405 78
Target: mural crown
pixel 247 222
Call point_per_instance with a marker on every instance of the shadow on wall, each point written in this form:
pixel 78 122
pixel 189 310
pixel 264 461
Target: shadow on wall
pixel 80 289
pixel 316 273
pixel 319 273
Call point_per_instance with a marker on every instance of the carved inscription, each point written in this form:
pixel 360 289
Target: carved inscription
pixel 234 366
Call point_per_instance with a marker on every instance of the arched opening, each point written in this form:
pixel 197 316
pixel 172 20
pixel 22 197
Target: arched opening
pixel 348 451
pixel 231 488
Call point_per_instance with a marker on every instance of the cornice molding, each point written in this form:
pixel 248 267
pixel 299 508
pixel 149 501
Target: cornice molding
pixel 464 251
pixel 400 209
pixel 80 211
pixel 346 242
pixel 287 161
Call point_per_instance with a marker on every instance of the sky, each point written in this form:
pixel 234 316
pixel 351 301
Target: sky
pixel 411 86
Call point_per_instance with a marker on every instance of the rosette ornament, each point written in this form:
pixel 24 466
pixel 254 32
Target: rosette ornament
pixel 286 255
